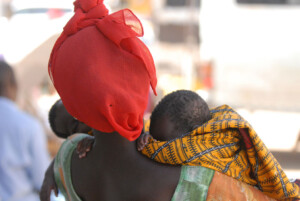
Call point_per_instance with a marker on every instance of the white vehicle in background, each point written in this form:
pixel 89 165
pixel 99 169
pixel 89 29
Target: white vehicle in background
pixel 254 47
pixel 32 23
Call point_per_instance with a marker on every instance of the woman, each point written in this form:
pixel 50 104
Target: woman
pixel 102 73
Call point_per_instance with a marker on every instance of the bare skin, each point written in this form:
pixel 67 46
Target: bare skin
pixel 120 170
pixel 114 170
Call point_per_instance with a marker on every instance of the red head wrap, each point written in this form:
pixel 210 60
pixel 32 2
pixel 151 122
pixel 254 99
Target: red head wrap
pixel 101 70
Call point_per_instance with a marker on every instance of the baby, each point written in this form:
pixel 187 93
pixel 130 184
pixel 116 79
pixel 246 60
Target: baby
pixel 176 114
pixel 64 125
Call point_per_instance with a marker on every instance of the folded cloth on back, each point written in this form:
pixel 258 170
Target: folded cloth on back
pixel 219 145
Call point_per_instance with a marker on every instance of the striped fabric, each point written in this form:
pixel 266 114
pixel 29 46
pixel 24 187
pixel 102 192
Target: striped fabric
pixel 218 145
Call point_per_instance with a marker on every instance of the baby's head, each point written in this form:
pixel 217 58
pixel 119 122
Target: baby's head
pixel 177 113
pixel 63 124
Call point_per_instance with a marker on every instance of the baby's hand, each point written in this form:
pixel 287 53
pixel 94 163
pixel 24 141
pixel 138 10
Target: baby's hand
pixel 84 146
pixel 143 141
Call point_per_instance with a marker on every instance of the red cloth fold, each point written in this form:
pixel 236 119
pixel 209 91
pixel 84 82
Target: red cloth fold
pixel 246 138
pixel 101 70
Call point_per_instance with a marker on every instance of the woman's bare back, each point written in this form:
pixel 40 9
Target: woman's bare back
pixel 122 174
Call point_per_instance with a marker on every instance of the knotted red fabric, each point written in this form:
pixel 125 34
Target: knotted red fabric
pixel 101 70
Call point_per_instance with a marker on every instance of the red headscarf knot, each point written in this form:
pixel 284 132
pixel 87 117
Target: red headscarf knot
pixel 85 5
pixel 85 14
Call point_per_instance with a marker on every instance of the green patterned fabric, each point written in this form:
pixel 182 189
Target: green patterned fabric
pixel 62 170
pixel 193 183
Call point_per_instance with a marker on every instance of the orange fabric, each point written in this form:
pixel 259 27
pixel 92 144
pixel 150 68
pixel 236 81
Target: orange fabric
pixel 101 70
pixel 224 188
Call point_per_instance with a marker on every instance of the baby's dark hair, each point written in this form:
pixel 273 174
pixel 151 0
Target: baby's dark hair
pixel 52 118
pixel 185 109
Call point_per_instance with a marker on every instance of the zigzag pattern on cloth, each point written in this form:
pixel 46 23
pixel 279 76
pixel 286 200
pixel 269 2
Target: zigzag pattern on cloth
pixel 219 145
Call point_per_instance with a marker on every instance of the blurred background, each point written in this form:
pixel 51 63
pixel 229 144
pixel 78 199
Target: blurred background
pixel 243 53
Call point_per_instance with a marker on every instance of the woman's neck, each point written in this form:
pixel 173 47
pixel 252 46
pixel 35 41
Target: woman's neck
pixel 114 143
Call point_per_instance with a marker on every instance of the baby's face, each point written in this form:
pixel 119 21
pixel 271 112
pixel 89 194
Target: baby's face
pixel 67 124
pixel 163 129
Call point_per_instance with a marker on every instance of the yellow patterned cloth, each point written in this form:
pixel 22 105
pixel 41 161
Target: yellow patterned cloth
pixel 219 145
